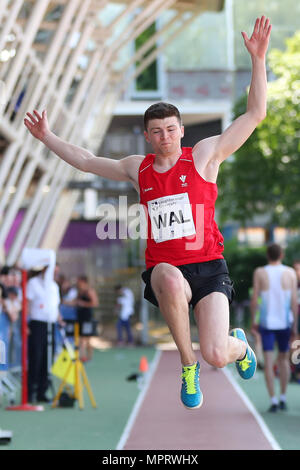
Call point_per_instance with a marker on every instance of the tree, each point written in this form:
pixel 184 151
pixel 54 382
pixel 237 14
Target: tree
pixel 147 80
pixel 263 176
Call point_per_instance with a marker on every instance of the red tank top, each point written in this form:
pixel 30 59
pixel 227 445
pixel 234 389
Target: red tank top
pixel 180 208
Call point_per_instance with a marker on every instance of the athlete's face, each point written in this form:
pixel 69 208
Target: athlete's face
pixel 164 135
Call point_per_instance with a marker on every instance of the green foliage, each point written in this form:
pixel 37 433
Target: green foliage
pixel 242 261
pixel 292 252
pixel 147 80
pixel 263 177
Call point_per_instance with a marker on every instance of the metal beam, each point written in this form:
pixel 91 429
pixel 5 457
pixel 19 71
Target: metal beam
pixel 122 85
pixel 48 76
pixel 30 31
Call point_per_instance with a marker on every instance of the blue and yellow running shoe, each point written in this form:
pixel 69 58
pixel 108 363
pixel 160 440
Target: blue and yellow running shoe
pixel 246 367
pixel 191 395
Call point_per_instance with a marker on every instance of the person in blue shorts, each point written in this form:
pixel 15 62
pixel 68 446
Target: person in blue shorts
pixel 276 285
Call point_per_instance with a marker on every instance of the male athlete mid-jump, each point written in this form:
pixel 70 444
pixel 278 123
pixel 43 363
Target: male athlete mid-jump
pixel 184 260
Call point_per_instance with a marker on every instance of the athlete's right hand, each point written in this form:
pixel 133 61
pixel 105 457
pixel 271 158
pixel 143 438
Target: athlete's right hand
pixel 37 124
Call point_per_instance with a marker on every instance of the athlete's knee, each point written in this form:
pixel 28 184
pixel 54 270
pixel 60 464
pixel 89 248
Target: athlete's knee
pixel 283 357
pixel 165 279
pixel 216 357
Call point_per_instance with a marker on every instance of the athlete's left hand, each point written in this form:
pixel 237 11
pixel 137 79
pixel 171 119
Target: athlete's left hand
pixel 257 45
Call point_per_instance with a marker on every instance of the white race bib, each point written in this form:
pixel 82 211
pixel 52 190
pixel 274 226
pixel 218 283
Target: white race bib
pixel 171 217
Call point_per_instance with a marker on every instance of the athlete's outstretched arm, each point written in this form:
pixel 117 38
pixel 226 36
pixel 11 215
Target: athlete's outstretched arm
pixel 118 170
pixel 222 146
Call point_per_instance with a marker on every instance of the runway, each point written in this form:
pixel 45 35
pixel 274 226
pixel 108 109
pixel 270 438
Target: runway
pixel 224 422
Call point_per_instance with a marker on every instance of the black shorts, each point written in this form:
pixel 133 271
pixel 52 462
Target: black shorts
pixel 203 278
pixel 84 315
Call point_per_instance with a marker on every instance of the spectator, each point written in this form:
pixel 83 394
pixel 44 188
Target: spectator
pixel 4 279
pixel 86 301
pixel 15 279
pixel 12 307
pixel 43 311
pixel 276 284
pixel 296 266
pixel 4 319
pixel 68 292
pixel 124 309
pixel 3 284
pixel 13 304
pixel 56 273
pixel 68 296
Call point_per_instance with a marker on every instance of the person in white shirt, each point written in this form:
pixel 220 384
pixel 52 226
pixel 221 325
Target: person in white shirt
pixel 276 284
pixel 124 309
pixel 43 298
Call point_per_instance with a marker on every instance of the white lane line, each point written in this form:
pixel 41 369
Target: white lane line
pixel 265 430
pixel 139 401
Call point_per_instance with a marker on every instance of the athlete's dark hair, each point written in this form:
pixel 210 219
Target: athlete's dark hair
pixel 161 110
pixel 274 252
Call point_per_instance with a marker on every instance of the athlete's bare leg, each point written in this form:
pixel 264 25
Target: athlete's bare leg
pixel 284 371
pixel 212 317
pixel 269 372
pixel 173 294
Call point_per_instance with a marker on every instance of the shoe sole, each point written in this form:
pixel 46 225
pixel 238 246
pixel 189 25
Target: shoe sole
pixel 194 407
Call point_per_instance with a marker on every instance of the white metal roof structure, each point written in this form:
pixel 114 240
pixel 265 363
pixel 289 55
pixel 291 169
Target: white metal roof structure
pixel 60 56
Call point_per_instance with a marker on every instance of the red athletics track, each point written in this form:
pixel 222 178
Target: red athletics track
pixel 224 422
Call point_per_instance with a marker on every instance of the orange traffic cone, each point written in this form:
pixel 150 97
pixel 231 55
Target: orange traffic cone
pixel 143 364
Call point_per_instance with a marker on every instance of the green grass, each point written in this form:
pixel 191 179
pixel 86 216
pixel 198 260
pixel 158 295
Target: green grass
pixel 87 429
pixel 284 425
